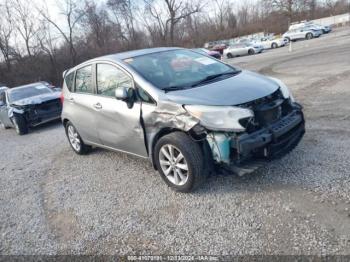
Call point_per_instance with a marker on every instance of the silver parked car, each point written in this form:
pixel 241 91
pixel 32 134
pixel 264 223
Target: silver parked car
pixel 241 49
pixel 186 112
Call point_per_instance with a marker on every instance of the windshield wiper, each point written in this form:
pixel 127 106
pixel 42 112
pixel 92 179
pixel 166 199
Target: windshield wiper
pixel 212 77
pixel 173 88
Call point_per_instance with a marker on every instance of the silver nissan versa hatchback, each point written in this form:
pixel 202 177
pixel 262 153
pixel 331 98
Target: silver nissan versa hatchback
pixel 188 113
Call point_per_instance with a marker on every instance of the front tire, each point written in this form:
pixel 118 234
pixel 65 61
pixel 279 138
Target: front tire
pixel 20 124
pixel 309 36
pixel 229 55
pixel 180 162
pixel 251 52
pixel 274 45
pixel 75 140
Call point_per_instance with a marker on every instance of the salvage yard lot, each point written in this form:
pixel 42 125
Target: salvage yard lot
pixel 53 201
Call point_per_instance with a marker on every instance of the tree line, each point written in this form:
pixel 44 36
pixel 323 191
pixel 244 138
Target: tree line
pixel 38 42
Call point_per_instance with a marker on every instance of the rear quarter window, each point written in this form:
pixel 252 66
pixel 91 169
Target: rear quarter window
pixel 70 81
pixel 83 80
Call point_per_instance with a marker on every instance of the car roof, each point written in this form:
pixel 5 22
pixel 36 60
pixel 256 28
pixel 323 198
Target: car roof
pixel 135 53
pixel 123 55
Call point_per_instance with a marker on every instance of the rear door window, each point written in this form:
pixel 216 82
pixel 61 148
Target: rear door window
pixel 83 80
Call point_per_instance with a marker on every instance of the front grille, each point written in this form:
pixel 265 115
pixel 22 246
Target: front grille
pixel 267 110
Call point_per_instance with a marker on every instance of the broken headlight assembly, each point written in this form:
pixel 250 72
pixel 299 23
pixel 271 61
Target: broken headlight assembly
pixel 284 89
pixel 220 118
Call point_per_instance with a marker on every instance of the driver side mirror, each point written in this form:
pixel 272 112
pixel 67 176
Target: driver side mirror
pixel 121 93
pixel 125 94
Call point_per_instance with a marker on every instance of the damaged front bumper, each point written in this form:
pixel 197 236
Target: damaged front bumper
pixel 268 142
pixel 38 114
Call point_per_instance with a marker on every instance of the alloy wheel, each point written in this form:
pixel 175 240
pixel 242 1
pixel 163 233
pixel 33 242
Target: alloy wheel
pixel 173 164
pixel 74 138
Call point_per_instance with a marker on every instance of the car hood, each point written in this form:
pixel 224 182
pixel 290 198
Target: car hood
pixel 35 100
pixel 239 89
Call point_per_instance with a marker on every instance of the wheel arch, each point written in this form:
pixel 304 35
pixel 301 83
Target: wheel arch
pixel 65 121
pixel 193 134
pixel 162 132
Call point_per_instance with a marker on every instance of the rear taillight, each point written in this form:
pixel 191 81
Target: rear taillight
pixel 62 98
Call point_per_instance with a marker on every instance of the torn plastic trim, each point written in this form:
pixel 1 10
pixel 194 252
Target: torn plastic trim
pixel 220 145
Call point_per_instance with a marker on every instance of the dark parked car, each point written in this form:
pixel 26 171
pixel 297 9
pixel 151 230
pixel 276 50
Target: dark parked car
pixel 28 106
pixel 184 111
pixel 205 51
pixel 219 48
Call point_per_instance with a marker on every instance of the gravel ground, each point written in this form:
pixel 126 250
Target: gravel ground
pixel 53 201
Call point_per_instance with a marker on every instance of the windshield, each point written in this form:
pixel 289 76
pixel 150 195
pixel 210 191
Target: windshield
pixel 26 92
pixel 178 69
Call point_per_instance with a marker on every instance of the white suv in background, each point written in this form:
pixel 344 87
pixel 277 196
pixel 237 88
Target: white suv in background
pixel 310 25
pixel 302 33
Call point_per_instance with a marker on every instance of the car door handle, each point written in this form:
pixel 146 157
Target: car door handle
pixel 98 106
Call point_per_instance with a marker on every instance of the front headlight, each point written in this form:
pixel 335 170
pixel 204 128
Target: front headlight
pixel 284 89
pixel 220 118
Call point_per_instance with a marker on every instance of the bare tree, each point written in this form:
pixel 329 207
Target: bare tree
pixel 331 4
pixel 97 27
pixel 48 45
pixel 289 7
pixel 124 12
pixel 25 23
pixel 71 12
pixel 166 21
pixel 221 13
pixel 6 33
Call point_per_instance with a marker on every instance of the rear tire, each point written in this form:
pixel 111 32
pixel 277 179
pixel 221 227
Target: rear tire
pixel 274 45
pixel 20 124
pixel 251 52
pixel 180 162
pixel 75 140
pixel 288 39
pixel 229 55
pixel 309 36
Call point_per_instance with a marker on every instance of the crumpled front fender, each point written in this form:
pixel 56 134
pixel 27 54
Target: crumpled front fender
pixel 14 110
pixel 167 115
